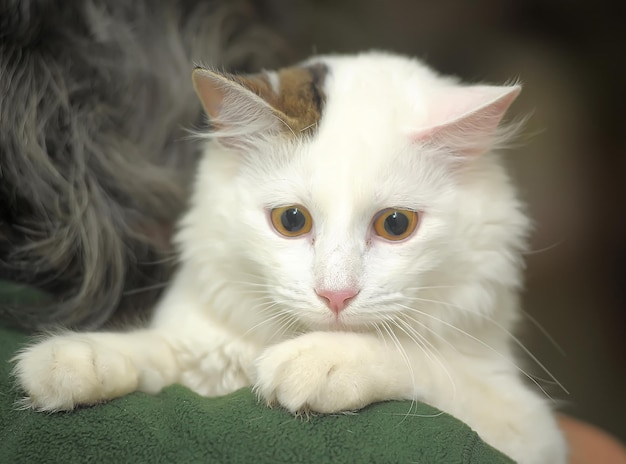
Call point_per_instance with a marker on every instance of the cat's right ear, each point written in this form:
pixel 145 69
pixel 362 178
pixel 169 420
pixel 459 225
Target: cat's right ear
pixel 238 115
pixel 465 119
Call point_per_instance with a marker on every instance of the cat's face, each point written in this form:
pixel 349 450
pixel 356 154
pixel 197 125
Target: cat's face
pixel 371 210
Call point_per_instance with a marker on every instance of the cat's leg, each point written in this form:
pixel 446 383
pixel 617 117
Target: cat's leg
pixel 331 371
pixel 493 400
pixel 72 369
pixel 340 371
pixel 64 371
pixel 182 345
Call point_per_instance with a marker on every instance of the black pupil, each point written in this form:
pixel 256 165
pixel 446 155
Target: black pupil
pixel 396 223
pixel 293 220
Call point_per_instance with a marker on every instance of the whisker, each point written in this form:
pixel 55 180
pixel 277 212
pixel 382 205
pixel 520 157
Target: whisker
pixel 543 250
pixel 308 127
pixel 428 287
pixel 252 284
pixel 529 353
pixel 517 341
pixel 265 307
pixel 405 357
pixel 545 333
pixel 486 345
pixel 379 332
pixel 285 329
pixel 286 125
pixel 424 344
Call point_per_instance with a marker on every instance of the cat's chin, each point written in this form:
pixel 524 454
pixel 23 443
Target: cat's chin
pixel 337 324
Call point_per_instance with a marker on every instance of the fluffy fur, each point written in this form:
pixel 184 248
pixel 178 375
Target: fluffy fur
pixel 94 153
pixel 339 317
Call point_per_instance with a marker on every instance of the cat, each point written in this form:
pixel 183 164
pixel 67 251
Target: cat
pixel 352 237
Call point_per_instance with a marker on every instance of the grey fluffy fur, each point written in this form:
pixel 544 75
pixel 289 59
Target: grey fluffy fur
pixel 95 97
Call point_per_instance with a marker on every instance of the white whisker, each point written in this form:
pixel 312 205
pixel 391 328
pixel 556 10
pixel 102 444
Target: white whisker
pixel 286 125
pixel 516 340
pixel 486 345
pixel 308 127
pixel 427 347
pixel 545 333
pixel 543 250
pixel 278 317
pixel 405 357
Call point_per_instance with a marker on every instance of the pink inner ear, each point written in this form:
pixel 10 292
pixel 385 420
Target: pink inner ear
pixel 210 88
pixel 465 119
pixel 238 115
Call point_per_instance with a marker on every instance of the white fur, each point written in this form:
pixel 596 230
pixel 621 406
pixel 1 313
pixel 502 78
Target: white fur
pixel 432 319
pixel 274 81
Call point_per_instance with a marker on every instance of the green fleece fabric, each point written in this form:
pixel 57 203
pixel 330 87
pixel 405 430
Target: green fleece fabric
pixel 178 426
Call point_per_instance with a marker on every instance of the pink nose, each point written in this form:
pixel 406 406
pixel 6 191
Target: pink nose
pixel 337 300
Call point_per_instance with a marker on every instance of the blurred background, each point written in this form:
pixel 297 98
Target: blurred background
pixel 571 168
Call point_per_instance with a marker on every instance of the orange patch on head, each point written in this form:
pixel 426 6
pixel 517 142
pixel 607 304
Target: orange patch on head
pixel 300 98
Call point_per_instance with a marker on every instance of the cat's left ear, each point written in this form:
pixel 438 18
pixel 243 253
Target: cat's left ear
pixel 465 120
pixel 237 106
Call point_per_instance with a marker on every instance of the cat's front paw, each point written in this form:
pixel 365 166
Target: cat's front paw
pixel 65 371
pixel 317 372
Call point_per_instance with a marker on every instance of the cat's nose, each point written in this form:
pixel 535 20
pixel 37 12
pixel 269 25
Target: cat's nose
pixel 337 300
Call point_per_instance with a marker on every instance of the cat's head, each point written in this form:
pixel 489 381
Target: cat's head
pixel 353 192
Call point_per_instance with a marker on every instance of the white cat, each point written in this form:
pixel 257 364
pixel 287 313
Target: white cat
pixel 352 238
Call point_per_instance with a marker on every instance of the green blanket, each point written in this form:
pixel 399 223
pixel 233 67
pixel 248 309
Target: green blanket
pixel 179 426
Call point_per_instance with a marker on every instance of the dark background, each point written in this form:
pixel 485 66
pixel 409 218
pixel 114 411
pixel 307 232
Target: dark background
pixel 571 168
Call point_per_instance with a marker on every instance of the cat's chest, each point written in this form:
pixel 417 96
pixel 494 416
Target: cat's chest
pixel 215 365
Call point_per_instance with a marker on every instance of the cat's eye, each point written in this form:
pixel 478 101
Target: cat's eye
pixel 291 221
pixel 395 224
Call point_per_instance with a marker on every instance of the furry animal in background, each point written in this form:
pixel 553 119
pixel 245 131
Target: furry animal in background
pixel 94 157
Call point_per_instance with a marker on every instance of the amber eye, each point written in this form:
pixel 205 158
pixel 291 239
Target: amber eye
pixel 395 224
pixel 291 221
